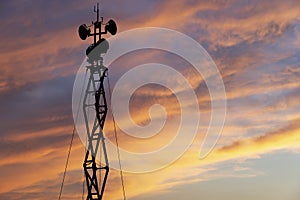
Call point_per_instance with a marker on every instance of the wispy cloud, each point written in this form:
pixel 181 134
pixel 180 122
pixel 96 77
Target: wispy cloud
pixel 255 46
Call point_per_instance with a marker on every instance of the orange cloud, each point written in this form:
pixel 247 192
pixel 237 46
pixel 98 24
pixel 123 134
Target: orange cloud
pixel 267 23
pixel 287 138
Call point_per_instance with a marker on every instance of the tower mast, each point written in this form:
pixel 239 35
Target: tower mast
pixel 96 174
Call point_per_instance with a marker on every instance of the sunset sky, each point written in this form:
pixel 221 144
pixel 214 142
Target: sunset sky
pixel 256 47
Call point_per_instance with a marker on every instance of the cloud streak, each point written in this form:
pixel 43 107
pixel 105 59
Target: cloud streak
pixel 255 46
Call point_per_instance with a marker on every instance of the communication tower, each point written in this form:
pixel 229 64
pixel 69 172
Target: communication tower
pixel 96 174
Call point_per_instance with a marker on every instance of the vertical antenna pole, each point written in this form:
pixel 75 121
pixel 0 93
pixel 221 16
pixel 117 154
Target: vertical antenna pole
pixel 97 12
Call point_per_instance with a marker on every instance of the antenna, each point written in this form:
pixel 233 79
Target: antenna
pixel 97 11
pixel 84 32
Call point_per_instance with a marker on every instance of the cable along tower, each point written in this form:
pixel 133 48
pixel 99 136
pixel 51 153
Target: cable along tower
pixel 96 174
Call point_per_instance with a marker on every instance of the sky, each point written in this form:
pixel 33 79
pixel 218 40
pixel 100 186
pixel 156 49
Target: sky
pixel 256 47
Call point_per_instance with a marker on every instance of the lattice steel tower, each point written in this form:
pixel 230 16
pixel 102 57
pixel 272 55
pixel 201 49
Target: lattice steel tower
pixel 96 174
